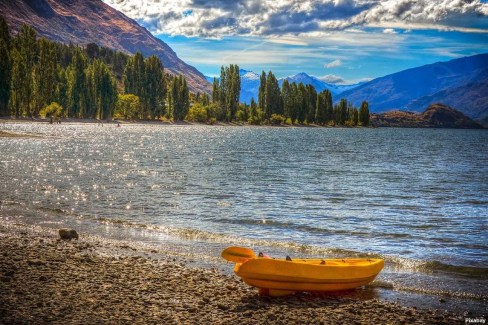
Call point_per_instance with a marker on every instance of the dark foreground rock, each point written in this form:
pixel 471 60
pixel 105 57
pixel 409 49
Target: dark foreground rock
pixel 68 234
pixel 47 280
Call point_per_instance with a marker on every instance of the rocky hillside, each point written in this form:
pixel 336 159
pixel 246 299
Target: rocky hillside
pixel 435 116
pixel 92 21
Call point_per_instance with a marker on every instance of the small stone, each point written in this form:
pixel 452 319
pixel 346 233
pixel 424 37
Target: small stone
pixel 68 234
pixel 442 300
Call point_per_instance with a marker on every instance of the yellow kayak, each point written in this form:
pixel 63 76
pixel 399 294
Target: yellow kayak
pixel 277 277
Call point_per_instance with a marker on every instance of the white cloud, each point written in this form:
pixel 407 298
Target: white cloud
pixel 219 18
pixel 333 64
pixel 332 79
pixel 389 31
pixel 338 80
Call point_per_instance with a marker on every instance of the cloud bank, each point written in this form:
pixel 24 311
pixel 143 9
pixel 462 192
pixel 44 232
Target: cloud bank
pixel 220 18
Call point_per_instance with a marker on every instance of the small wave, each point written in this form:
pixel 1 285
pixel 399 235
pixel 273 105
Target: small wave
pixel 474 202
pixel 479 272
pixel 53 210
pixel 381 284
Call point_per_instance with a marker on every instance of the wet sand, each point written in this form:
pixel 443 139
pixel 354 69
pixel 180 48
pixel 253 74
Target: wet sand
pixel 44 279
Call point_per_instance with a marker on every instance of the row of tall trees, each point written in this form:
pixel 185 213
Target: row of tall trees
pixel 302 104
pixel 179 98
pixel 90 82
pixel 34 73
pixel 292 103
pixel 145 78
pixel 226 91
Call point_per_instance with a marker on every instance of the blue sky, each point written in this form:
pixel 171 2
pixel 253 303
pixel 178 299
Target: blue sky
pixel 339 41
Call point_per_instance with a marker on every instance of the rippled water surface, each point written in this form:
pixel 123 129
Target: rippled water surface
pixel 414 196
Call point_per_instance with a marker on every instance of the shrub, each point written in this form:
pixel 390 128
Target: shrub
pixel 277 119
pixel 197 113
pixel 127 106
pixel 52 110
pixel 241 115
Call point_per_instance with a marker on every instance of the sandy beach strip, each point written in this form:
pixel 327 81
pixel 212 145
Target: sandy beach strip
pixel 46 280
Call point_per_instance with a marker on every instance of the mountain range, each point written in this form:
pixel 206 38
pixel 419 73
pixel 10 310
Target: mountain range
pixel 92 21
pixel 460 83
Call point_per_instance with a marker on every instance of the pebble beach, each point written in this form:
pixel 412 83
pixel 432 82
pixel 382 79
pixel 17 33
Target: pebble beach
pixel 47 280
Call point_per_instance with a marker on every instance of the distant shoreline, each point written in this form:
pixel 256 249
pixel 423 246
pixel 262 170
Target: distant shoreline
pixel 383 120
pixel 11 120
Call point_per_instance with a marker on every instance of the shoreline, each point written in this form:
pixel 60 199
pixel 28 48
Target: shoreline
pixel 71 121
pixel 44 279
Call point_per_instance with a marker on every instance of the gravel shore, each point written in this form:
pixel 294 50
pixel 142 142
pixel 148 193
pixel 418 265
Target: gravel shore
pixel 44 279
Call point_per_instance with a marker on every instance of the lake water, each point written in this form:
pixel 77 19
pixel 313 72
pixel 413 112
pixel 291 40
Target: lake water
pixel 416 197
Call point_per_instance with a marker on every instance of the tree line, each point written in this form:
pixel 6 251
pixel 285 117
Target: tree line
pixel 42 77
pixel 289 104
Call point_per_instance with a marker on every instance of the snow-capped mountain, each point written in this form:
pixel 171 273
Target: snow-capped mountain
pixel 318 84
pixel 304 78
pixel 249 86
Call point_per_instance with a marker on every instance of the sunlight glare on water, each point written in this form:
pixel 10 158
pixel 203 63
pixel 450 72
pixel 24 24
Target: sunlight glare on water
pixel 418 194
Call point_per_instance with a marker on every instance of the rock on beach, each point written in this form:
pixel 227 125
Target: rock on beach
pixel 68 234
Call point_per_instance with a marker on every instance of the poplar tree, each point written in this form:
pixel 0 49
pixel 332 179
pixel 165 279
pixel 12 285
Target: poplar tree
pixel 180 98
pixel 273 102
pixel 103 92
pixel 61 94
pixel 215 91
pixel 287 95
pixel 231 89
pixel 5 67
pixel 340 112
pixel 78 95
pixel 154 86
pixel 321 114
pixel 311 103
pixel 302 102
pixel 16 81
pixel 27 45
pixel 329 107
pixel 262 92
pixel 222 94
pixel 134 75
pixel 45 75
pixel 364 114
pixel 295 102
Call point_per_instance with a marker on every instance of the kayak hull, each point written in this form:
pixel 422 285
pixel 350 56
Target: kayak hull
pixel 280 277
